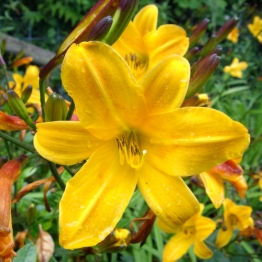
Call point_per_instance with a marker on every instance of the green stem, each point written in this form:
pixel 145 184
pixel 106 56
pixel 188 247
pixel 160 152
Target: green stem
pixel 42 96
pixel 56 175
pixel 70 111
pixel 69 170
pixel 17 142
pixel 6 78
pixel 8 150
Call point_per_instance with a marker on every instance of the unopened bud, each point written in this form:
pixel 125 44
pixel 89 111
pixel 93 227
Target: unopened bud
pixel 192 53
pixel 226 29
pixel 121 18
pixel 116 241
pixel 101 29
pixel 27 93
pixel 198 32
pixel 19 108
pixel 55 108
pixel 202 72
pixel 211 43
pixel 31 214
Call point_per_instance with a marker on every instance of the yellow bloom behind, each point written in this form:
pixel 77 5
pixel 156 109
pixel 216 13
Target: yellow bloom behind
pixel 132 134
pixel 256 28
pixel 143 45
pixel 193 232
pixel 31 77
pixel 236 68
pixel 234 217
pixel 233 35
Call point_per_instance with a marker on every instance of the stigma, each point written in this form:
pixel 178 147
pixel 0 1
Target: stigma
pixel 129 151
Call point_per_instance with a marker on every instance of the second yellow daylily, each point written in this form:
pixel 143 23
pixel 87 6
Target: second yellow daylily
pixel 214 178
pixel 31 77
pixel 132 134
pixel 143 45
pixel 236 68
pixel 193 232
pixel 235 216
pixel 233 35
pixel 256 28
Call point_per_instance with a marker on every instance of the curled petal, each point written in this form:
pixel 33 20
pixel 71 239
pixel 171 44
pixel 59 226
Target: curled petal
pixel 192 140
pixel 95 199
pixel 177 246
pixel 165 86
pixel 204 227
pixel 169 197
pixel 65 142
pixel 146 19
pixel 201 250
pixel 224 236
pixel 214 186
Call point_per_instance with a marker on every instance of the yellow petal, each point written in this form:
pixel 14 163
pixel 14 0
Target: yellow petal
pixel 214 186
pixel 241 186
pixel 177 246
pixel 146 19
pixel 165 86
pixel 106 95
pixel 169 197
pixel 95 199
pixel 243 213
pixel 224 236
pixel 65 142
pixel 191 140
pixel 31 77
pixel 163 226
pixel 204 227
pixel 201 250
pixel 166 40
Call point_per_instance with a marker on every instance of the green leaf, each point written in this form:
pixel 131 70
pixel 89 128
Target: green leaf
pixel 26 253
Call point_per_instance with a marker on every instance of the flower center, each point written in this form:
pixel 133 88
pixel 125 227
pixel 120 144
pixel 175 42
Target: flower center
pixel 233 219
pixel 138 64
pixel 189 230
pixel 129 151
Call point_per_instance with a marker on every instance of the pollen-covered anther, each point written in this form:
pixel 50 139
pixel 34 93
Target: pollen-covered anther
pixel 129 151
pixel 134 62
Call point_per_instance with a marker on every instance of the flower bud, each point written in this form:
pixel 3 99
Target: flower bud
pixel 116 241
pixel 209 45
pixel 198 32
pixel 192 53
pixel 27 93
pixel 101 29
pixel 19 108
pixel 31 214
pixel 226 29
pixel 121 18
pixel 202 72
pixel 55 108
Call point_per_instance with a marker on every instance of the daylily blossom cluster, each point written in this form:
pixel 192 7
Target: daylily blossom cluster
pixel 141 124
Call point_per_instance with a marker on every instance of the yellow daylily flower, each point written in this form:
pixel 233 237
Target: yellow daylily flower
pixel 256 28
pixel 31 77
pixel 236 68
pixel 143 45
pixel 132 134
pixel 234 217
pixel 233 35
pixel 214 178
pixel 193 232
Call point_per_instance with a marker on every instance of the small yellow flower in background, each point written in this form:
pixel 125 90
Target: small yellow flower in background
pixel 132 134
pixel 143 45
pixel 259 177
pixel 233 35
pixel 193 232
pixel 31 77
pixel 235 216
pixel 236 68
pixel 214 178
pixel 256 28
